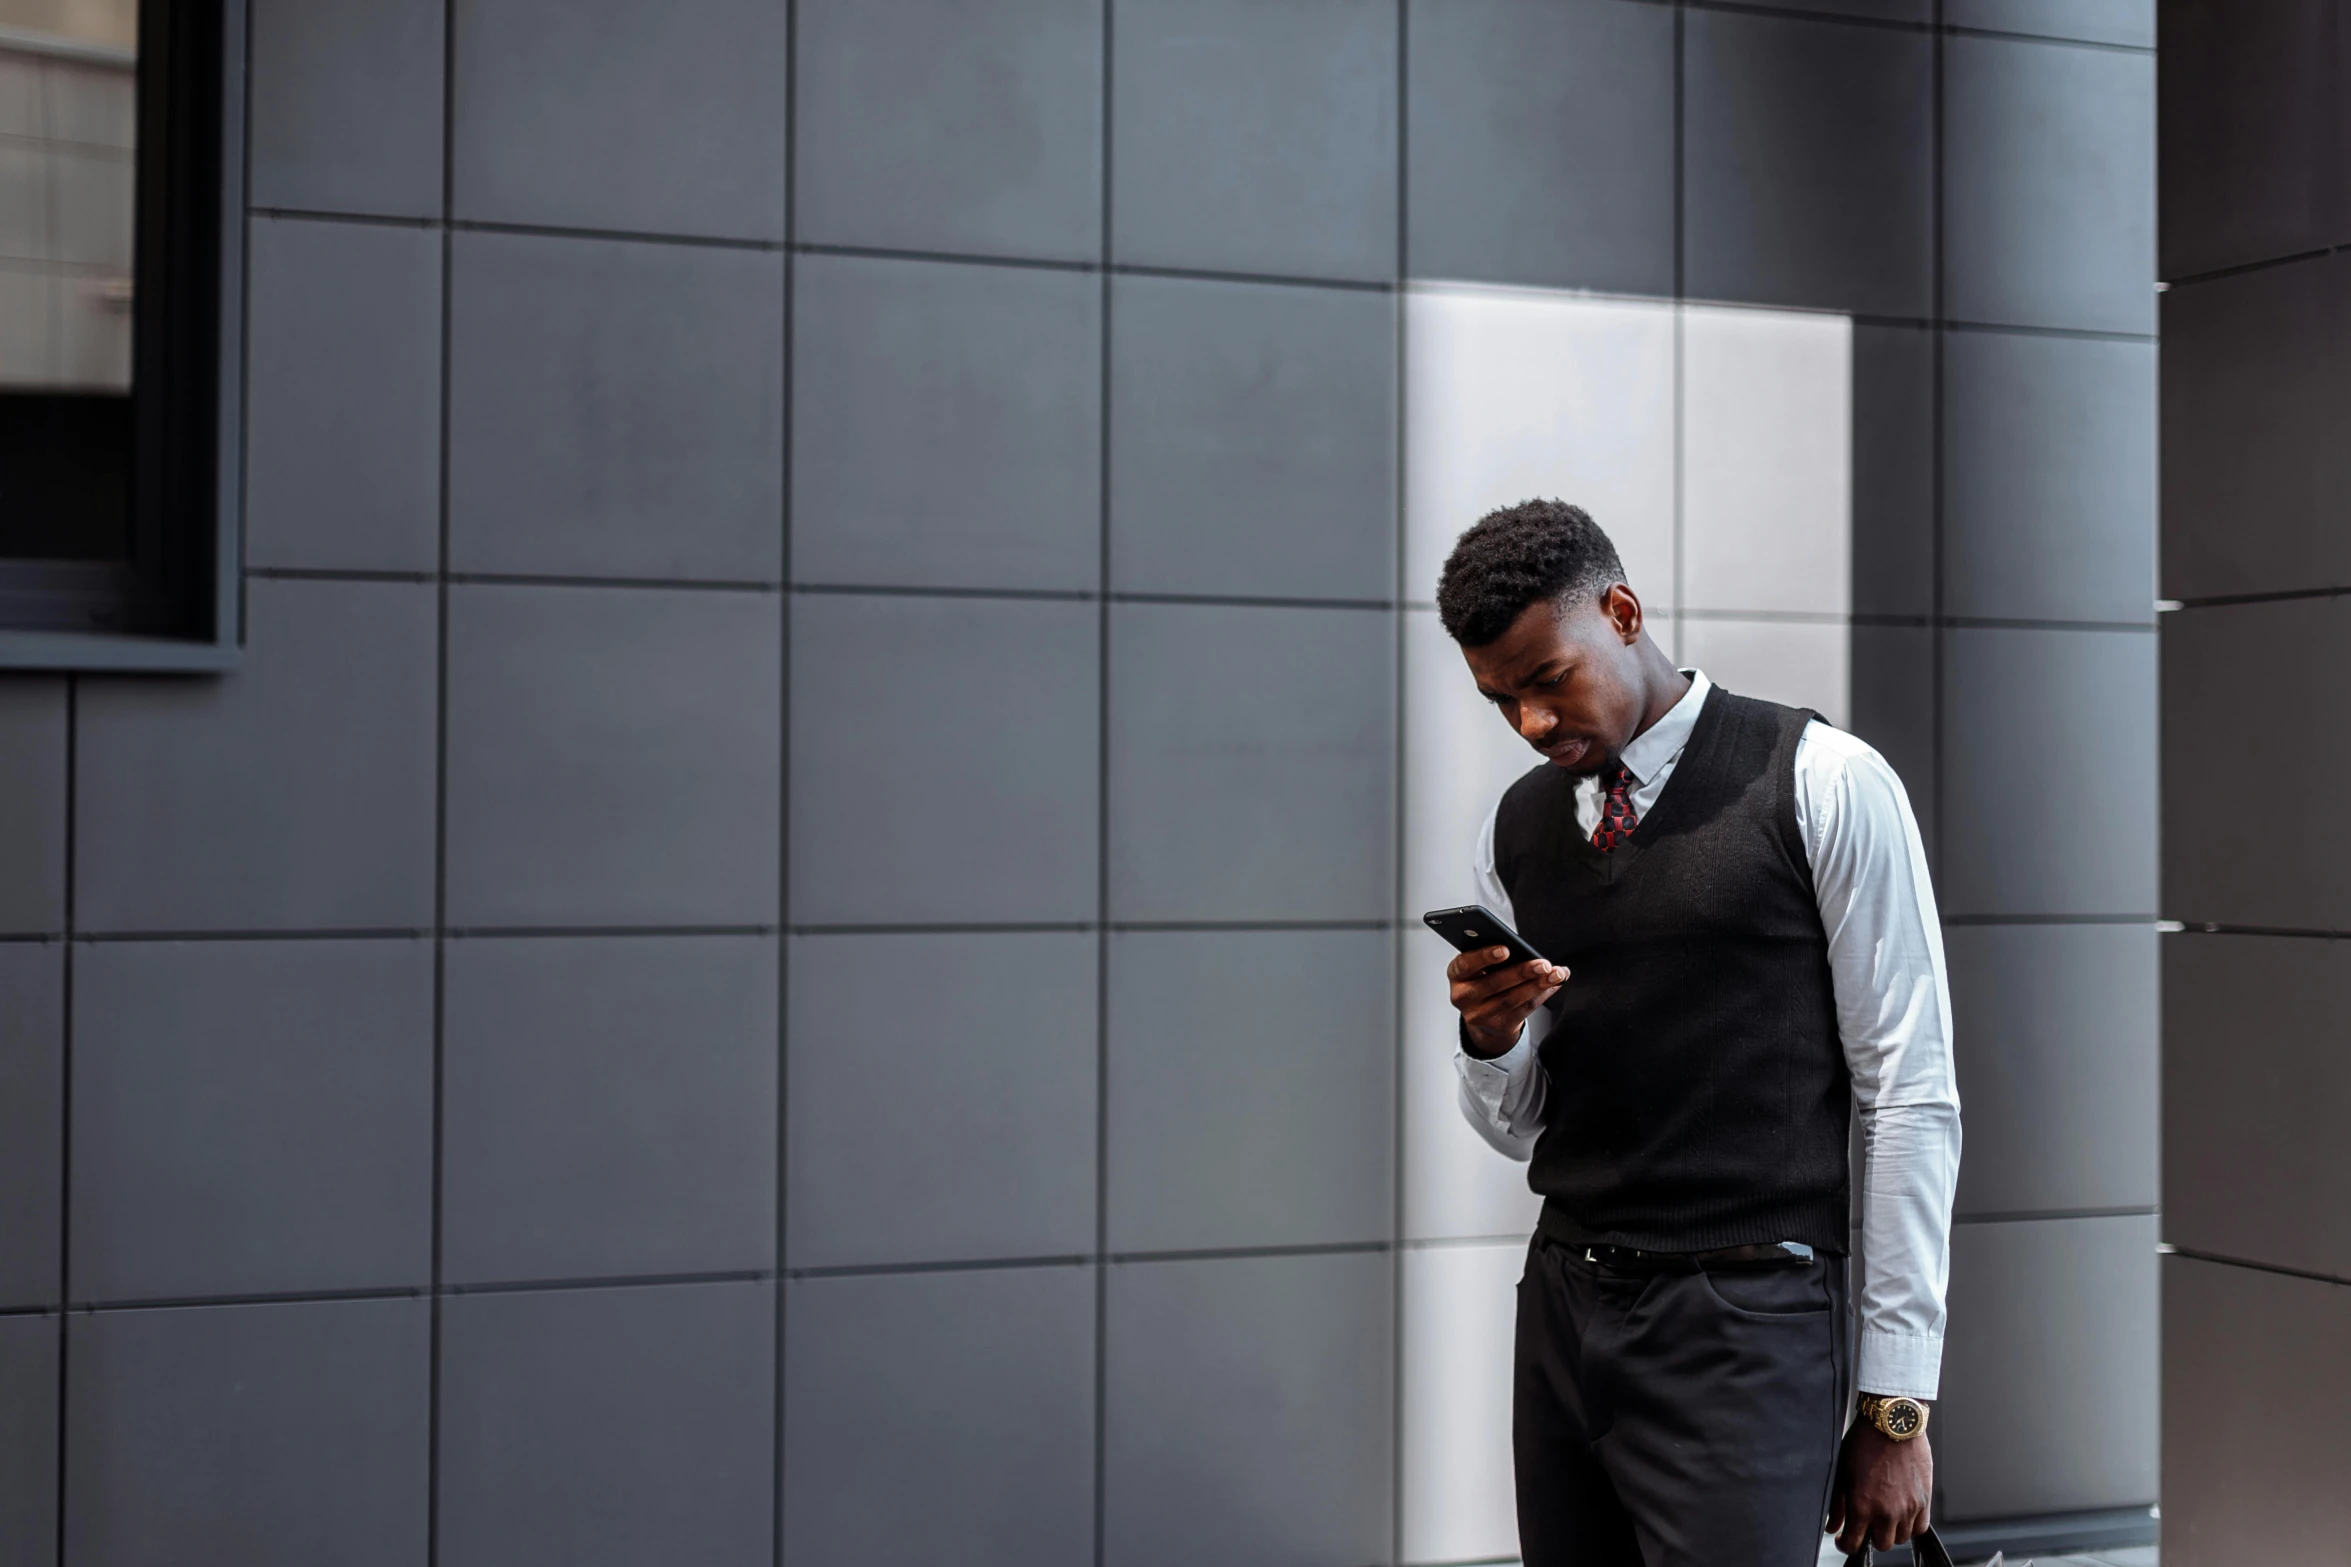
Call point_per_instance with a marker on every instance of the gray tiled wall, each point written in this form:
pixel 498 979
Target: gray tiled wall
pixel 2256 1177
pixel 786 945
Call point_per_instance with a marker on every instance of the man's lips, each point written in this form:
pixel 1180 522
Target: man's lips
pixel 1565 753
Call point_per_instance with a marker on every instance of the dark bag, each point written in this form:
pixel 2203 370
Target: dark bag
pixel 1926 1550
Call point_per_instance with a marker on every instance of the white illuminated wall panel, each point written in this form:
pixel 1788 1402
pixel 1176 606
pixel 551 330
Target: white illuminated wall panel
pixel 1458 1308
pixel 1457 761
pixel 1740 546
pixel 1513 393
pixel 1767 461
pixel 1767 502
pixel 1799 663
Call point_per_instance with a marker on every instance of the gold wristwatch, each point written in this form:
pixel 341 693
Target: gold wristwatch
pixel 1897 1419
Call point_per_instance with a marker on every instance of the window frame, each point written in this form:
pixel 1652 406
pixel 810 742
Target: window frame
pixel 179 597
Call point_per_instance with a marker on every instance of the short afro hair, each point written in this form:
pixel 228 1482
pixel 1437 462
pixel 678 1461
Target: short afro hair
pixel 1517 556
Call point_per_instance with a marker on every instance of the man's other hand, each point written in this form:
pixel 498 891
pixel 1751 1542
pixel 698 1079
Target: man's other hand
pixel 1883 1489
pixel 1495 1003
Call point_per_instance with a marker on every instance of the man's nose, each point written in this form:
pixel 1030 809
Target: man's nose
pixel 1533 722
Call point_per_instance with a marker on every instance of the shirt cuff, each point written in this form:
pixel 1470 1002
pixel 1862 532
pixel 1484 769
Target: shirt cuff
pixel 1489 1077
pixel 1900 1365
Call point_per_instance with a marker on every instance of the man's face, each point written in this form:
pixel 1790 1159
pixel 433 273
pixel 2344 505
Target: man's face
pixel 1567 677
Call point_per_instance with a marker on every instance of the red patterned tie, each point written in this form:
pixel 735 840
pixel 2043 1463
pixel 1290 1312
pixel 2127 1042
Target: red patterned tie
pixel 1617 820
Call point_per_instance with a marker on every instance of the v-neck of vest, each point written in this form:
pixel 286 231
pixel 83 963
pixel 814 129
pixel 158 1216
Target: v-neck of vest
pixel 1612 864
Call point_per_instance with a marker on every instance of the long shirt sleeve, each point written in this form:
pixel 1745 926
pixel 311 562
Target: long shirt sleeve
pixel 1892 993
pixel 1894 1012
pixel 1502 1096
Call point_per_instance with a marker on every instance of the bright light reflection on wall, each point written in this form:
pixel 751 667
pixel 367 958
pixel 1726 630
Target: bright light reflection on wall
pixel 1738 536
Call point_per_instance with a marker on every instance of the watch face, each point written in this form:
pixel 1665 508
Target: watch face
pixel 1902 1417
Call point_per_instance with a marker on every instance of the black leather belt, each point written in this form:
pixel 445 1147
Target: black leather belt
pixel 1629 1259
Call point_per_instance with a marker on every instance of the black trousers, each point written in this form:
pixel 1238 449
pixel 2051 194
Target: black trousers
pixel 1677 1419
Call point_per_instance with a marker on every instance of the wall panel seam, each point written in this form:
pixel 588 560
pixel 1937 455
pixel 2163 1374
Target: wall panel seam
pixel 441 788
pixel 65 1048
pixel 1105 145
pixel 2251 1265
pixel 780 1383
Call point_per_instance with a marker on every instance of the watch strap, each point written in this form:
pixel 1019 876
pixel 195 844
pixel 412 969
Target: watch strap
pixel 1871 1404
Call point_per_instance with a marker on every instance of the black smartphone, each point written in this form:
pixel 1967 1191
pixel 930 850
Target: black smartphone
pixel 1476 926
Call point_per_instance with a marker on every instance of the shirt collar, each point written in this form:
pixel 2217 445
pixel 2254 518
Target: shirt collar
pixel 1663 740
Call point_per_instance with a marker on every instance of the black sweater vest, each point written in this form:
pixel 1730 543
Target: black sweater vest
pixel 1698 1094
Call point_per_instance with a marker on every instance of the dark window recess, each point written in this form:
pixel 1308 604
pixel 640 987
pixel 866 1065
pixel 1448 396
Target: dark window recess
pixel 65 474
pixel 111 386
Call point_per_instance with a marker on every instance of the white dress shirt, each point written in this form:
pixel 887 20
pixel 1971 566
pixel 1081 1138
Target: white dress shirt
pixel 1885 948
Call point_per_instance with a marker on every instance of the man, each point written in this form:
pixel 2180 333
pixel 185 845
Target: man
pixel 1742 944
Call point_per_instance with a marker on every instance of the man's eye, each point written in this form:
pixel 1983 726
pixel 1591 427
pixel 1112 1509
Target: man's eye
pixel 1554 680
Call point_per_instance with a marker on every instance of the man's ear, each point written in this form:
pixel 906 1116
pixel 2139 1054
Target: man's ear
pixel 1623 609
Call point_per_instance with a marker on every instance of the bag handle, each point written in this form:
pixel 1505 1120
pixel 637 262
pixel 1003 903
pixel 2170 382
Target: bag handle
pixel 1926 1549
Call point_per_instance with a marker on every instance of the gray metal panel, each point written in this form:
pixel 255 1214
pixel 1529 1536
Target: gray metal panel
pixel 2048 789
pixel 2254 1070
pixel 609 1106
pixel 2130 23
pixel 1542 143
pixel 2242 685
pixel 89 211
pixel 25 211
pixel 615 409
pixel 2256 1416
pixel 32 1120
pixel 607 114
pixel 32 803
pixel 1248 1411
pixel 1866 10
pixel 2255 394
pixel 1893 470
pixel 2048 478
pixel 944 126
pixel 343 397
pixel 2056 1046
pixel 2256 141
pixel 1894 710
pixel 940 1417
pixel 1808 163
pixel 78 97
pixel 1252 759
pixel 1252 440
pixel 264 1436
pixel 944 759
pixel 1255 138
pixel 581 1428
pixel 613 756
pixel 1251 1089
pixel 251 1118
pixel 988 1094
pixel 346 105
pixel 946 425
pixel 28 1439
pixel 2048 185
pixel 301 792
pixel 2053 1324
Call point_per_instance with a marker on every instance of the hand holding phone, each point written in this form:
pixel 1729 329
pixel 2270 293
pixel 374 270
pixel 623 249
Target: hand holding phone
pixel 1497 981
